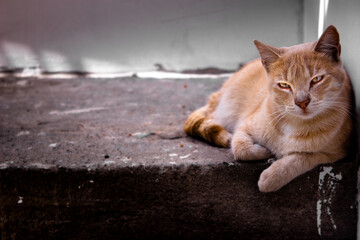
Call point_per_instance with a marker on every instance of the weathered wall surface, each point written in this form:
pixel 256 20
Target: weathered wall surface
pixel 116 36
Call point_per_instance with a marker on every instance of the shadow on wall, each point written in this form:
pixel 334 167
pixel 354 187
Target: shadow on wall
pixel 15 57
pixel 13 54
pixel 118 36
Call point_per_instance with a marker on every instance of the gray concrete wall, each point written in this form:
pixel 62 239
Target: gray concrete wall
pixel 117 36
pixel 310 20
pixel 345 16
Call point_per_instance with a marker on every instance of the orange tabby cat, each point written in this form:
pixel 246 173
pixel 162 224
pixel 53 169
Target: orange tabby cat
pixel 292 104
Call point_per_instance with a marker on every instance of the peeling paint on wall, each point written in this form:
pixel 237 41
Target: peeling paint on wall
pixel 328 182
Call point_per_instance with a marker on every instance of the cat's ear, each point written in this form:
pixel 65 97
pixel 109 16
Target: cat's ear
pixel 329 43
pixel 267 53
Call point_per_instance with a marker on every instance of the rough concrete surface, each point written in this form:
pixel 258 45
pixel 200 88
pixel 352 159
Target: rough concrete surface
pixel 107 159
pixel 86 123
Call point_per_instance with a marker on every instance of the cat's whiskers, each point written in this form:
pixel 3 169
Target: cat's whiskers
pixel 274 116
pixel 334 105
pixel 290 108
pixel 343 111
pixel 277 116
pixel 282 116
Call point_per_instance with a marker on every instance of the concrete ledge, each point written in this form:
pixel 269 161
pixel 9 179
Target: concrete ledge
pixel 107 159
pixel 216 202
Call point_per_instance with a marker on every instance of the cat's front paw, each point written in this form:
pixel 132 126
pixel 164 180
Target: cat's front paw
pixel 248 152
pixel 270 180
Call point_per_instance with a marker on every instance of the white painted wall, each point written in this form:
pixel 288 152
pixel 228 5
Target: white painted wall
pixel 128 35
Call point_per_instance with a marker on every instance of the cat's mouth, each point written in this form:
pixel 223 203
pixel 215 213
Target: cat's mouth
pixel 304 113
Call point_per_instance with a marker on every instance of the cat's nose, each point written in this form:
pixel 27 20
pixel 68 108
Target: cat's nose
pixel 302 103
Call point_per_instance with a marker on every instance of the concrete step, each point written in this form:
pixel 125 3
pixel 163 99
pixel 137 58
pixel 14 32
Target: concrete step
pixel 216 202
pixel 107 159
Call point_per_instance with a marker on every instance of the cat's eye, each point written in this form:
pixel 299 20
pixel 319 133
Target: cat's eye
pixel 317 79
pixel 284 85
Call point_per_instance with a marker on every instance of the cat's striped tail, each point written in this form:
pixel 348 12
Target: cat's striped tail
pixel 199 125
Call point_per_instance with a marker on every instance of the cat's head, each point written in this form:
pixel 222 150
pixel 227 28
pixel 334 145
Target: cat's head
pixel 307 79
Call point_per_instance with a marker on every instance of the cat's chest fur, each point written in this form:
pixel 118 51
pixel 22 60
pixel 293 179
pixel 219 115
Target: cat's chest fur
pixel 280 138
pixel 286 137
